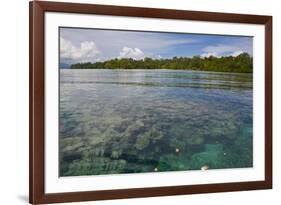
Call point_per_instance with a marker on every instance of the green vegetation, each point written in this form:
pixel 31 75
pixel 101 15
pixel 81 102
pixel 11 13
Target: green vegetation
pixel 242 63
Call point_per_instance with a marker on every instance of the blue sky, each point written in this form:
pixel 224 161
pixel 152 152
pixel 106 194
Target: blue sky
pixel 92 45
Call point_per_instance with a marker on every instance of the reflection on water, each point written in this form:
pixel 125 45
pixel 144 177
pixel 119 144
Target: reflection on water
pixel 132 121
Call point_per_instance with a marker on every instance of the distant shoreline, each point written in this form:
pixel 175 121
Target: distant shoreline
pixel 242 63
pixel 141 69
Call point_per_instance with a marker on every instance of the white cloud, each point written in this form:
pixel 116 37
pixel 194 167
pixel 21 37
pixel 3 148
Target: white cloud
pixel 87 51
pixel 111 42
pixel 220 49
pixel 158 57
pixel 236 53
pixel 134 53
pixel 215 54
pixel 206 55
pixel 233 49
pixel 172 42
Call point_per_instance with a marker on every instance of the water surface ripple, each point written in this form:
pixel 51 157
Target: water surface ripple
pixel 132 121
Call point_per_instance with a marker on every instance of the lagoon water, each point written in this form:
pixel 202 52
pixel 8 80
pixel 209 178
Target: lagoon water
pixel 132 121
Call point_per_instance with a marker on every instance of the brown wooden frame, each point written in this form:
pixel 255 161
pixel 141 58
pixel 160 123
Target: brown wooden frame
pixel 37 95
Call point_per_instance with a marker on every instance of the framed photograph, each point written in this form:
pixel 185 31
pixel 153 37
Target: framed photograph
pixel 139 102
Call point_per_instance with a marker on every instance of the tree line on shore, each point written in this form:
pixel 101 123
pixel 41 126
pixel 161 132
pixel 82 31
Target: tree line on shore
pixel 242 63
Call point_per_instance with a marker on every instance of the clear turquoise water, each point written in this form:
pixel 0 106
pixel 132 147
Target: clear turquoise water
pixel 132 121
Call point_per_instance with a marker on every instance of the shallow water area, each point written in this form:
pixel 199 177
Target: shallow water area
pixel 133 121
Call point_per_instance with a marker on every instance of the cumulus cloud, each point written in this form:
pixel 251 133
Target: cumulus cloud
pixel 134 53
pixel 157 57
pixel 215 54
pixel 226 50
pixel 236 53
pixel 207 55
pixel 220 49
pixel 86 51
